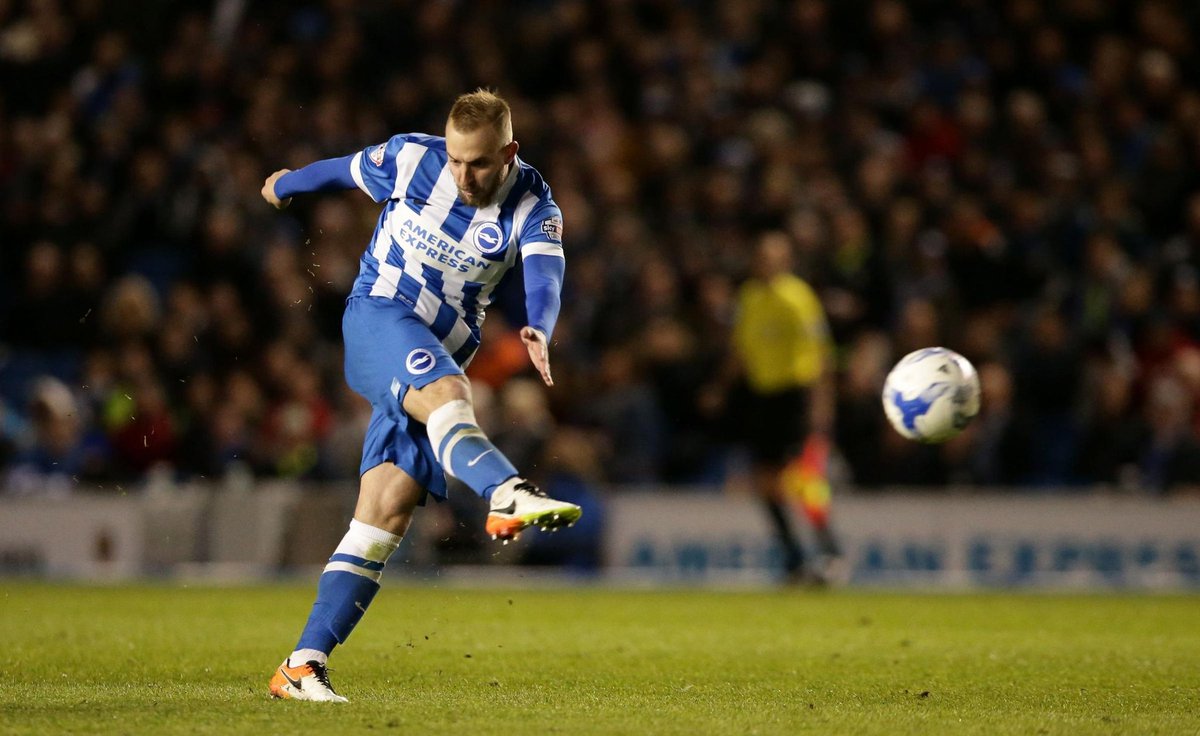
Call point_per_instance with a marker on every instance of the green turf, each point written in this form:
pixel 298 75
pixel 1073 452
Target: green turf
pixel 432 660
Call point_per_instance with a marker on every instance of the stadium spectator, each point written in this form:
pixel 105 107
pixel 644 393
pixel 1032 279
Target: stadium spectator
pixel 1170 458
pixel 62 450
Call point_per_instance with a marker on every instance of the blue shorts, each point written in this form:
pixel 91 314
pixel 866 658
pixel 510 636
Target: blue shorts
pixel 388 350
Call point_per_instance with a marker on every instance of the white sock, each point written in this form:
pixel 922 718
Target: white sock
pixel 303 656
pixel 368 542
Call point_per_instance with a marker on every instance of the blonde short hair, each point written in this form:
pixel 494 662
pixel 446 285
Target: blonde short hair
pixel 479 108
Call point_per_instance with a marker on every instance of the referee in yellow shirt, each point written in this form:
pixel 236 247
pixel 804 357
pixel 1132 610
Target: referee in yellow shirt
pixel 784 356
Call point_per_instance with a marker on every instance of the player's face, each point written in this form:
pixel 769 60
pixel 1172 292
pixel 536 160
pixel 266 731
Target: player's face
pixel 478 160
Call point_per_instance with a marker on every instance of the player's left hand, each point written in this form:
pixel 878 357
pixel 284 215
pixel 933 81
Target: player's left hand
pixel 539 352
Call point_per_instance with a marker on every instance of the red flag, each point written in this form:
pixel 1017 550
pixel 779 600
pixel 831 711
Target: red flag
pixel 806 480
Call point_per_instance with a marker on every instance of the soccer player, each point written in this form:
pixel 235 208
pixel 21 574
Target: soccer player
pixel 457 213
pixel 784 356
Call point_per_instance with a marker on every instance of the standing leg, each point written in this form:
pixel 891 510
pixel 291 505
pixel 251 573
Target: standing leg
pixel 386 500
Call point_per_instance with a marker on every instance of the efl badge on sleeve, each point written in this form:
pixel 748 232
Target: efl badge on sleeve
pixel 553 227
pixel 377 155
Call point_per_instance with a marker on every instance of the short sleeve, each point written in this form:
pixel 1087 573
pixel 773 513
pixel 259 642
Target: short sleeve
pixel 542 233
pixel 375 168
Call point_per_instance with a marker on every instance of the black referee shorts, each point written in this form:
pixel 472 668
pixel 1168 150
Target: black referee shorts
pixel 771 426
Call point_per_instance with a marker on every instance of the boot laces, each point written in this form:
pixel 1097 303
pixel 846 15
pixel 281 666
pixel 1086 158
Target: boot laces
pixel 527 487
pixel 321 672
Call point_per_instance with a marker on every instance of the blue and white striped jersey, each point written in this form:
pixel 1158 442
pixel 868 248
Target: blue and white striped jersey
pixel 441 257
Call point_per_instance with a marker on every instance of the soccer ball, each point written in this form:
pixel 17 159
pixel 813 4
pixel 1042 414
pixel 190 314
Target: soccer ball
pixel 931 395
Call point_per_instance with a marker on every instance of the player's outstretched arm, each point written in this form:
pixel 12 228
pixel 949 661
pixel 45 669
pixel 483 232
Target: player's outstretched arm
pixel 539 352
pixel 320 176
pixel 268 190
pixel 543 290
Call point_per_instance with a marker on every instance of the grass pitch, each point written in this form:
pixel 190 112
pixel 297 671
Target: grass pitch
pixel 435 660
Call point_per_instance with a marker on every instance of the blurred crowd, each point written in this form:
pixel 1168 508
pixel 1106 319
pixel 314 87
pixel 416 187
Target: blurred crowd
pixel 1018 180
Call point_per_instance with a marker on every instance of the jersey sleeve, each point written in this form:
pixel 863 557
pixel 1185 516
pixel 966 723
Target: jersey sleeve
pixel 375 169
pixel 544 262
pixel 320 176
pixel 542 233
pixel 543 292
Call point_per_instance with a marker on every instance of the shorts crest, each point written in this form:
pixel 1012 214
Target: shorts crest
pixel 420 361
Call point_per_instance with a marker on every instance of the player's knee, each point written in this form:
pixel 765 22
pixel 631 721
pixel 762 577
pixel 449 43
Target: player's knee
pixel 452 388
pixel 420 403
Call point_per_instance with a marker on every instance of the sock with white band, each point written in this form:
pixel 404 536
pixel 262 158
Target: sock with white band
pixel 465 451
pixel 346 588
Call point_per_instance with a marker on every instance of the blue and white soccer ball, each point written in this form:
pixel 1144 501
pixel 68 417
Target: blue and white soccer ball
pixel 931 395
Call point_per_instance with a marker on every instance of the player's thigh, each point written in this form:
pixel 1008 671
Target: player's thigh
pixel 396 439
pixel 390 350
pixel 387 497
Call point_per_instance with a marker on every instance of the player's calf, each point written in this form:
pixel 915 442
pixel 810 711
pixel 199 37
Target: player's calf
pixel 465 451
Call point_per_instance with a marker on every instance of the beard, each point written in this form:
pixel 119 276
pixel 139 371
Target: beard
pixel 483 195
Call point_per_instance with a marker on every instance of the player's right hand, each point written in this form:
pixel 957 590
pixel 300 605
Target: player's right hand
pixel 539 352
pixel 268 190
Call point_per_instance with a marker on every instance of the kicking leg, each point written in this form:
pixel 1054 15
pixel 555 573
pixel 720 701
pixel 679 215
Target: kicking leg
pixel 386 500
pixel 462 448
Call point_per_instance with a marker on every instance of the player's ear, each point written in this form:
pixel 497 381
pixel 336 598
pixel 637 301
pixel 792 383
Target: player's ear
pixel 510 151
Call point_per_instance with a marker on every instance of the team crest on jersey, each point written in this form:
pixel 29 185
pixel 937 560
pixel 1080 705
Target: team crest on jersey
pixel 420 361
pixel 376 156
pixel 553 227
pixel 488 238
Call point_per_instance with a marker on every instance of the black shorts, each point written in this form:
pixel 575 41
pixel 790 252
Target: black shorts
pixel 771 426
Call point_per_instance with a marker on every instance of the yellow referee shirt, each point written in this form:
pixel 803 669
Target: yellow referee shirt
pixel 781 333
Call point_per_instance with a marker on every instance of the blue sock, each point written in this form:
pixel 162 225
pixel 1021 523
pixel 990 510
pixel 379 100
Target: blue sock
pixel 465 451
pixel 347 586
pixel 342 598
